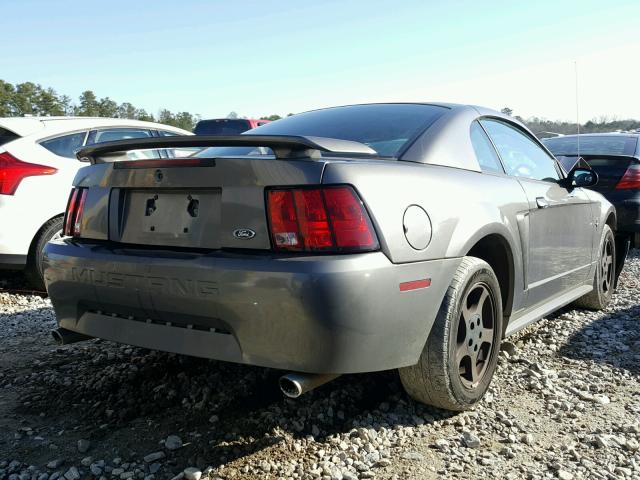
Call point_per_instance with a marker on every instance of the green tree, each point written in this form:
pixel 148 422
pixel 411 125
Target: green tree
pixel 7 94
pixel 232 115
pixel 165 116
pixel 48 103
pixel 88 105
pixel 25 98
pixel 141 114
pixel 107 107
pixel 507 111
pixel 68 108
pixel 126 110
pixel 185 120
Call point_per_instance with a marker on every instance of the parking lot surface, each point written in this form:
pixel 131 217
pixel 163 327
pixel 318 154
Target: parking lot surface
pixel 565 403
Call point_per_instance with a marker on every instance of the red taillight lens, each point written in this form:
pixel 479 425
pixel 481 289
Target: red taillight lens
pixel 350 221
pixel 630 179
pixel 77 221
pixel 319 219
pixel 13 171
pixel 284 220
pixel 69 213
pixel 75 210
pixel 312 219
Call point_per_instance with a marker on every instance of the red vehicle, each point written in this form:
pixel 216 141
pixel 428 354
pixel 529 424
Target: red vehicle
pixel 227 126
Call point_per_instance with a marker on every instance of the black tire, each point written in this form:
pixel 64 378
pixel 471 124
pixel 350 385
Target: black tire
pixel 34 270
pixel 604 277
pixel 437 378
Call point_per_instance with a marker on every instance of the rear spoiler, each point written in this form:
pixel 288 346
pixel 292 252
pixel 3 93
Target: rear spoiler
pixel 284 146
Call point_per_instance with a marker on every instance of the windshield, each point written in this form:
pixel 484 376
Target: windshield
pixel 592 145
pixel 386 128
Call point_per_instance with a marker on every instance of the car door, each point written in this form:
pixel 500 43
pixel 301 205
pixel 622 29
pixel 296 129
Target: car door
pixel 560 222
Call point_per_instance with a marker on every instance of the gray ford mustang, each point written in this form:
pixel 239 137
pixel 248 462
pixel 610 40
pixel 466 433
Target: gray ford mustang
pixel 343 240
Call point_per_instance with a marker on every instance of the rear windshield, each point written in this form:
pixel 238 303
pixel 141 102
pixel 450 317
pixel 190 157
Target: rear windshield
pixel 223 126
pixel 386 128
pixel 7 136
pixel 592 145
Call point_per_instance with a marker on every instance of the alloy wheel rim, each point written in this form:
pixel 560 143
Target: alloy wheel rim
pixel 475 335
pixel 57 235
pixel 606 266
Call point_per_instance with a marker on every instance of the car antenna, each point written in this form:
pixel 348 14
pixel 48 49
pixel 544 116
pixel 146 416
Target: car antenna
pixel 575 67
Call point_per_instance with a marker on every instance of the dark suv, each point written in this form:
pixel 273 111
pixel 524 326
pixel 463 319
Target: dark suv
pixel 226 126
pixel 616 159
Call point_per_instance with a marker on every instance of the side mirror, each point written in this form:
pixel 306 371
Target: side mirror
pixel 580 177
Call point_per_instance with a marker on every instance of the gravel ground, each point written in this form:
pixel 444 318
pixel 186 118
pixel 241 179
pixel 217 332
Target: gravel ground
pixel 565 403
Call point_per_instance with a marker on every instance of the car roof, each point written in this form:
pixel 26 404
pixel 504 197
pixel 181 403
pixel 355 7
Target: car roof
pixel 455 109
pixel 46 126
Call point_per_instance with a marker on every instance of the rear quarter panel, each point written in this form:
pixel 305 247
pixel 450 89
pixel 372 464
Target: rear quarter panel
pixel 602 210
pixel 464 206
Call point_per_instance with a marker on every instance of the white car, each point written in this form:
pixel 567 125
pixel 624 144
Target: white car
pixel 37 167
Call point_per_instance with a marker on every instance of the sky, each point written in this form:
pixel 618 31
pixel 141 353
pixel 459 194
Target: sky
pixel 275 57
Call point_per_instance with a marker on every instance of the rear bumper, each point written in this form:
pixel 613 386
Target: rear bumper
pixel 627 205
pixel 330 314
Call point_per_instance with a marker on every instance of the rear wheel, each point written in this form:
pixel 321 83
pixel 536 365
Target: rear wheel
pixel 461 353
pixel 604 277
pixel 34 271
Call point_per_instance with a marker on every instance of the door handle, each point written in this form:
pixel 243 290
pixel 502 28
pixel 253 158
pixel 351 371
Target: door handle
pixel 542 202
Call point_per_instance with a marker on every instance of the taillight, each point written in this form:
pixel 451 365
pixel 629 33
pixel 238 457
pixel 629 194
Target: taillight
pixel 630 179
pixel 75 210
pixel 329 219
pixel 13 171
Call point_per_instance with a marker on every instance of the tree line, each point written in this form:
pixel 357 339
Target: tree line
pixel 29 98
pixel 549 128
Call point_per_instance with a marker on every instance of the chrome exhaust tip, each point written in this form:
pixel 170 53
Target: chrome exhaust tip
pixel 62 336
pixel 295 384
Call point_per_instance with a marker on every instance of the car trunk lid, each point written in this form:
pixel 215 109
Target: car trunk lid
pixel 206 203
pixel 196 202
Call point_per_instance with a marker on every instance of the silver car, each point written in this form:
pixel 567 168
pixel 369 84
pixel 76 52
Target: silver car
pixel 344 240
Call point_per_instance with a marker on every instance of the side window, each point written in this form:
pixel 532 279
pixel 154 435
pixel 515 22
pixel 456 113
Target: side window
pixel 521 156
pixel 7 136
pixel 113 134
pixel 65 145
pixel 485 153
pixel 177 152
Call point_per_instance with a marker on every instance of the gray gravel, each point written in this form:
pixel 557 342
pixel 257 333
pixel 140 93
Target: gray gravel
pixel 565 403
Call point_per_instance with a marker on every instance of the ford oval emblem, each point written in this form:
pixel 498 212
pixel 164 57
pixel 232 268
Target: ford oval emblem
pixel 244 233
